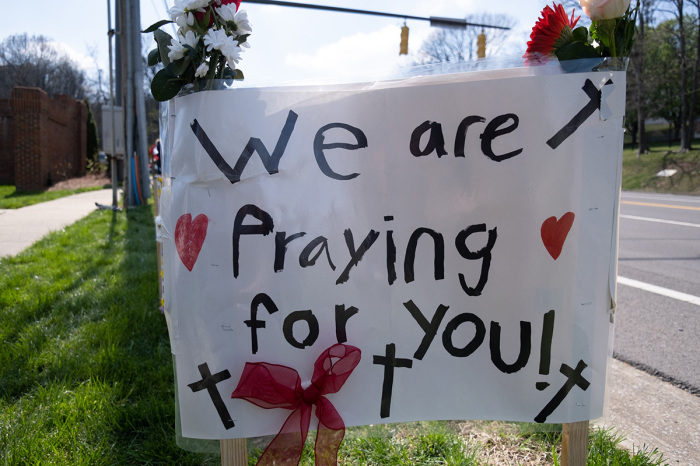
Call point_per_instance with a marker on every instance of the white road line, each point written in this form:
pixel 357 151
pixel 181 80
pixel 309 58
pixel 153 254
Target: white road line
pixel 658 220
pixel 688 298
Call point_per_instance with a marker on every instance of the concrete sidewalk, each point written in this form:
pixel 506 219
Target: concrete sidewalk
pixel 20 228
pixel 646 410
pixel 651 413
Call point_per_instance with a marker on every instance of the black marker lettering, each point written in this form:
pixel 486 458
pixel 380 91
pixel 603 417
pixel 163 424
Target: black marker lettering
pixel 390 253
pixel 523 355
pixel 320 146
pixel 436 140
pixel 473 345
pixel 461 137
pixel 271 162
pixel 342 315
pixel 281 242
pixel 254 324
pixel 438 262
pixel 304 258
pixel 484 254
pixel 355 254
pixel 493 130
pixel 264 228
pixel 430 328
pixel 288 328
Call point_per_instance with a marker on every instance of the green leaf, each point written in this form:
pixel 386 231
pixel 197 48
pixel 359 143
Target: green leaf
pixel 576 50
pixel 580 34
pixel 153 57
pixel 192 52
pixel 165 86
pixel 163 39
pixel 179 67
pixel 155 26
pixel 237 74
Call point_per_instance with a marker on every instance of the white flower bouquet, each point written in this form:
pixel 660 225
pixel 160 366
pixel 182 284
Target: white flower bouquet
pixel 210 37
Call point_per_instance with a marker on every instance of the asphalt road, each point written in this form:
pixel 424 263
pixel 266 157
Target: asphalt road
pixel 658 317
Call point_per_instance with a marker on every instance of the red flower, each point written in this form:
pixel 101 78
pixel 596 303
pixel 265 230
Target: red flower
pixel 552 30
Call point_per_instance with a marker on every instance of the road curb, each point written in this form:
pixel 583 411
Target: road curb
pixel 652 413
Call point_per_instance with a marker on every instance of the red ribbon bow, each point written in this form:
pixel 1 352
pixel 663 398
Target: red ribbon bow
pixel 274 386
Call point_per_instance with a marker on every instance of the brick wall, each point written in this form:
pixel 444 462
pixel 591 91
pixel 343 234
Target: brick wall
pixel 7 164
pixel 47 140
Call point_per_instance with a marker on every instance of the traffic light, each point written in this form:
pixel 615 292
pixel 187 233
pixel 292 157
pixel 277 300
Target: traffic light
pixel 481 45
pixel 403 47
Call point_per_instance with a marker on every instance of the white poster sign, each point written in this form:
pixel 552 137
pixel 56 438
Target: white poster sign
pixel 457 235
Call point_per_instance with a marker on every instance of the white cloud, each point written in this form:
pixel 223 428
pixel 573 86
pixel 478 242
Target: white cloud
pixel 362 54
pixel 84 62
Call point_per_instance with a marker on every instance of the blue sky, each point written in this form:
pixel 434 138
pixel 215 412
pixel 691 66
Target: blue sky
pixel 287 44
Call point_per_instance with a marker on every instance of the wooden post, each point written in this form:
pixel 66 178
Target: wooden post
pixel 234 452
pixel 574 444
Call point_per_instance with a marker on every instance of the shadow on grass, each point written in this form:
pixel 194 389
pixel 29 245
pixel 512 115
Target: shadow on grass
pixel 85 367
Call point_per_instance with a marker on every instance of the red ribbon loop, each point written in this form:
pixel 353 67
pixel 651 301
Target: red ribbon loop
pixel 274 386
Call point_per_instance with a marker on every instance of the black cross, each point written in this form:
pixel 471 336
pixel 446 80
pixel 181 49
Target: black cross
pixel 595 96
pixel 390 361
pixel 574 378
pixel 209 382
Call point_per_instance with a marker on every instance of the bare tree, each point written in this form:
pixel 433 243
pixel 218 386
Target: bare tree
pixel 34 61
pixel 453 45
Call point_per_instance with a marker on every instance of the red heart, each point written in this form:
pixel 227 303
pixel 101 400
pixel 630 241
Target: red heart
pixel 189 237
pixel 554 233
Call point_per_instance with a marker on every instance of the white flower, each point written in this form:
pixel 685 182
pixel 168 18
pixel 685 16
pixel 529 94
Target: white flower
pixel 181 12
pixel 604 9
pixel 202 70
pixel 242 23
pixel 177 49
pixel 190 38
pixel 227 12
pixel 197 4
pixel 232 52
pixel 217 39
pixel 178 9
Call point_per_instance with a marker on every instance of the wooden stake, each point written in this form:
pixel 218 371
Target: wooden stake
pixel 234 452
pixel 574 444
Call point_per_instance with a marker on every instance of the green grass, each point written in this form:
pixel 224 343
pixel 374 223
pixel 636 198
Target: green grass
pixel 85 367
pixel 13 199
pixel 639 172
pixel 86 374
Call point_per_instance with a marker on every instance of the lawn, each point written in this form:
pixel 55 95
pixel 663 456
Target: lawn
pixel 639 172
pixel 86 375
pixel 10 198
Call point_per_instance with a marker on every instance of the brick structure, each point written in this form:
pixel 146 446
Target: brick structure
pixel 43 140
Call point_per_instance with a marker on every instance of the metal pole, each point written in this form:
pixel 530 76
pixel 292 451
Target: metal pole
pixel 113 159
pixel 142 131
pixel 434 20
pixel 129 194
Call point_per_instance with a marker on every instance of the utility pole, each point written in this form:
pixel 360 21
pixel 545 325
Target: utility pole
pixel 113 152
pixel 136 184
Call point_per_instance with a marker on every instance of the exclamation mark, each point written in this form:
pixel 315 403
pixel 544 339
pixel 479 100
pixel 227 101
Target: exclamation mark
pixel 390 253
pixel 546 348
